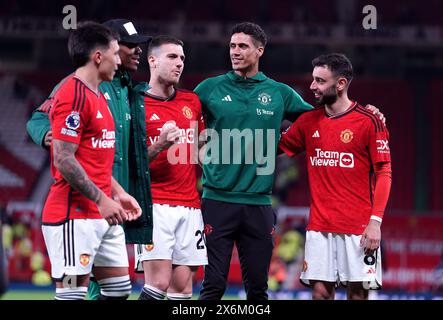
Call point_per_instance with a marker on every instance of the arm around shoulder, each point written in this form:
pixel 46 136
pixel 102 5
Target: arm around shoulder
pixel 294 104
pixel 38 126
pixel 204 89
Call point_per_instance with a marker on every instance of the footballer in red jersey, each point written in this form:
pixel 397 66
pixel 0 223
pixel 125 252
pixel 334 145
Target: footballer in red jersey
pixel 82 118
pixel 173 175
pixel 173 124
pixel 348 156
pixel 80 218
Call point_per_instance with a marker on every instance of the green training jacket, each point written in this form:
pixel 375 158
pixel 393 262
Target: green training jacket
pixel 246 116
pixel 130 147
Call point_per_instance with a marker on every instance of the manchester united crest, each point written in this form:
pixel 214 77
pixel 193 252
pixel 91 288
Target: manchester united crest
pixel 346 136
pixel 187 112
pixel 149 247
pixel 84 259
pixel 208 229
pixel 264 98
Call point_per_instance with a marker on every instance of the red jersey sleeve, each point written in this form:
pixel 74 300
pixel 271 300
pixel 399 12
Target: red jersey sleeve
pixel 383 176
pixel 379 143
pixel 68 116
pixel 292 141
pixel 380 154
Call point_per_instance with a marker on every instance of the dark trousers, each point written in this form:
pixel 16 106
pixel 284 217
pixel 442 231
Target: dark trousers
pixel 251 229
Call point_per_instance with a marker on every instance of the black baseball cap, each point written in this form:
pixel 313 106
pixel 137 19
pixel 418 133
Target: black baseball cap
pixel 126 31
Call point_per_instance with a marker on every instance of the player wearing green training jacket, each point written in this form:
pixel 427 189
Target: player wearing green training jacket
pixel 243 111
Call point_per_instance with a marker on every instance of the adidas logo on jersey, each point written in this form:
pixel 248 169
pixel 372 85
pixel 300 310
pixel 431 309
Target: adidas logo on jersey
pixel 154 117
pixel 99 115
pixel 316 134
pixel 227 98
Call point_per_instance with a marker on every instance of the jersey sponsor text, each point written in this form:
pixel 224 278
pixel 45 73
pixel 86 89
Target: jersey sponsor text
pixel 106 141
pixel 332 159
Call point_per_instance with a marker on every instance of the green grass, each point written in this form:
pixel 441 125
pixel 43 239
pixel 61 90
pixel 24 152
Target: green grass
pixel 28 295
pixel 49 295
pixel 38 295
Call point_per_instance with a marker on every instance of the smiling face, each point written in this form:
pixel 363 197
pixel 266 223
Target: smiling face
pixel 130 56
pixel 109 60
pixel 245 54
pixel 324 86
pixel 166 63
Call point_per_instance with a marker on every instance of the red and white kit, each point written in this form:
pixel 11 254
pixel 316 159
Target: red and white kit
pixel 344 154
pixel 178 223
pixel 81 116
pixel 75 233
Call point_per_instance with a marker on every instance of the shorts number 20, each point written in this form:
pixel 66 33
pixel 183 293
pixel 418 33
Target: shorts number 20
pixel 201 241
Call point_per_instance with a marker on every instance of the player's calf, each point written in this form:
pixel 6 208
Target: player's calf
pixel 356 291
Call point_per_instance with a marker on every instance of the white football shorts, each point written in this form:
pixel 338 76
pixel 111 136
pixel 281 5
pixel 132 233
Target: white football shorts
pixel 76 245
pixel 177 236
pixel 338 258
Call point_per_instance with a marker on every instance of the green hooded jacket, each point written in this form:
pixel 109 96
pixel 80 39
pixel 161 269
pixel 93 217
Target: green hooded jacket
pixel 246 114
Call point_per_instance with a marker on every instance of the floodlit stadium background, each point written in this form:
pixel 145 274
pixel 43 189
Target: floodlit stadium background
pixel 398 67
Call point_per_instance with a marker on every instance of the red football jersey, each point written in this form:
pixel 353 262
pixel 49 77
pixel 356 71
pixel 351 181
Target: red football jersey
pixel 174 180
pixel 81 116
pixel 340 152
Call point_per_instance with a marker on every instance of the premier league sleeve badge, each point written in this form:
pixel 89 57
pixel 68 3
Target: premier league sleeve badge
pixel 73 120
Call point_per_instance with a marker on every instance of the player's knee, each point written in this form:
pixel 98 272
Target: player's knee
pixel 74 293
pixel 115 288
pixel 321 294
pixel 322 291
pixel 161 284
pixel 180 287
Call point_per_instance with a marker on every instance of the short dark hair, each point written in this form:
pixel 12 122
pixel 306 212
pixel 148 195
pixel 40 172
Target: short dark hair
pixel 253 30
pixel 87 37
pixel 338 63
pixel 161 40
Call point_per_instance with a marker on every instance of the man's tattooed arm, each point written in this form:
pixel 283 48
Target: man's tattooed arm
pixel 72 171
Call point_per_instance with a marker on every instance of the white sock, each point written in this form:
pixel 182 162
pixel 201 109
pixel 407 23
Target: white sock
pixel 179 296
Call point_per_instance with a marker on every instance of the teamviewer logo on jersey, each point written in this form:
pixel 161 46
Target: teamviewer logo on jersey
pixel 346 160
pixel 328 158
